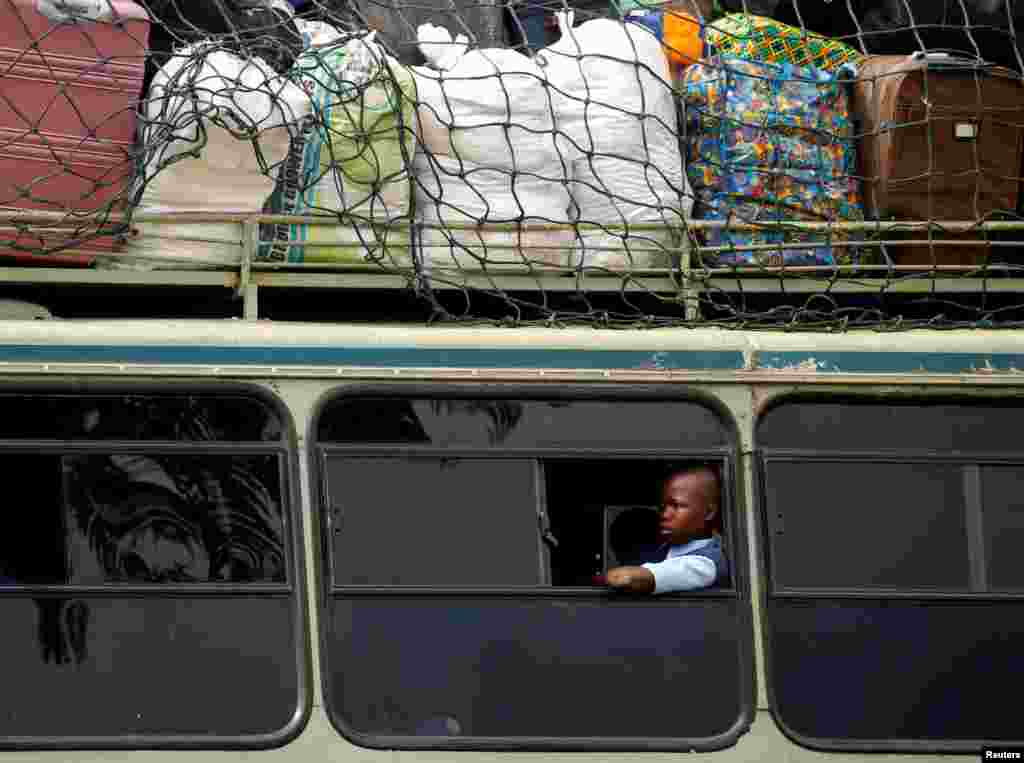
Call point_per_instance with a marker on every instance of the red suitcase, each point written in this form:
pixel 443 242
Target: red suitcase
pixel 69 93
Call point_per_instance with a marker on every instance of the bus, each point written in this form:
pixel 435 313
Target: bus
pixel 323 521
pixel 333 384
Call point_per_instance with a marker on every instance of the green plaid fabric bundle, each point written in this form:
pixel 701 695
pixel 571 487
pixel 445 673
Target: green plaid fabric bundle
pixel 758 38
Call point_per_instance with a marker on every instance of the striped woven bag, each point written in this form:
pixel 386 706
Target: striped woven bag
pixel 758 38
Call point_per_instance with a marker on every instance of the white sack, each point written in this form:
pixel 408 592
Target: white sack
pixel 617 192
pixel 453 194
pixel 490 107
pixel 616 105
pixel 220 108
pixel 611 87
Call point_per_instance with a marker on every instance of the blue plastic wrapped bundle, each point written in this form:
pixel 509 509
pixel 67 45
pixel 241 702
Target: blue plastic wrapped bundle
pixel 771 143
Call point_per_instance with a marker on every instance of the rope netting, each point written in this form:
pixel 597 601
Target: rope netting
pixel 821 163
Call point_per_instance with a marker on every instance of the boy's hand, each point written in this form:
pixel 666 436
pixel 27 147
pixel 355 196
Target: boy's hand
pixel 619 577
pixel 633 579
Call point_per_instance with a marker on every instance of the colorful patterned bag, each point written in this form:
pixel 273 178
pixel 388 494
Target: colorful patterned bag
pixel 770 142
pixel 758 38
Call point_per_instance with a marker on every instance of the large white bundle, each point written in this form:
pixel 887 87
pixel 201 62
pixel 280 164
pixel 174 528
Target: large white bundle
pixel 457 195
pixel 611 87
pixel 615 103
pixel 206 114
pixel 619 192
pixel 487 106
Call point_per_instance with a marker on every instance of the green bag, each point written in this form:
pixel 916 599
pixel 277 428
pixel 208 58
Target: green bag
pixel 352 155
pixel 758 38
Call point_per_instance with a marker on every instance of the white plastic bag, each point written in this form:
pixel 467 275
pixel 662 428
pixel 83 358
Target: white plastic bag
pixel 317 33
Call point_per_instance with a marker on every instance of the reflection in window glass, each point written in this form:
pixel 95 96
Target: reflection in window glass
pixel 162 518
pixel 489 423
pixel 137 518
pixel 176 418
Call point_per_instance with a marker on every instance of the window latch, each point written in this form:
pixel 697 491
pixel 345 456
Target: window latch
pixel 545 530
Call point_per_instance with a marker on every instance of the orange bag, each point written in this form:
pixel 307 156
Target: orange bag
pixel 683 37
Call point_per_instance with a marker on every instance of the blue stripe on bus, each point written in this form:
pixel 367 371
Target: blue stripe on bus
pixel 394 357
pixel 892 362
pixel 427 357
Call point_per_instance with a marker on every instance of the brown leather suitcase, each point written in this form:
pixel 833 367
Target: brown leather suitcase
pixel 70 82
pixel 940 138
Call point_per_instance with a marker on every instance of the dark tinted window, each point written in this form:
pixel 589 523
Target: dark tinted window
pixel 434 521
pixel 1002 490
pixel 894 525
pixel 176 418
pixel 462 607
pixel 894 425
pixel 888 530
pixel 520 423
pixel 154 576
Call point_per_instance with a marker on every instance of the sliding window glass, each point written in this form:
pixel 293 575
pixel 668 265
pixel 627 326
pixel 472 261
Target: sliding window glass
pixel 148 579
pixel 464 539
pixel 895 588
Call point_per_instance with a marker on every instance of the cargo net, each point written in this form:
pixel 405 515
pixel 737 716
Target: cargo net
pixel 743 163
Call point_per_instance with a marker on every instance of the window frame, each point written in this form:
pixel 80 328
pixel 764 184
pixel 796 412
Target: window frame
pixel 727 456
pixel 765 564
pixel 294 587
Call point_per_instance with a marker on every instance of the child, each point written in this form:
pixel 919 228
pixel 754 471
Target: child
pixel 690 513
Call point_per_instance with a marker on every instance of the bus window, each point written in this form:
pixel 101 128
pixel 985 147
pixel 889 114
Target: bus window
pixel 464 538
pixel 148 563
pixel 892 534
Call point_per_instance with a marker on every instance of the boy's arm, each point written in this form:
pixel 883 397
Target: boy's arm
pixel 681 573
pixel 632 579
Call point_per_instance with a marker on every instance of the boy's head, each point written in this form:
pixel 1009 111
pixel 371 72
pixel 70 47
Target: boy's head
pixel 690 504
